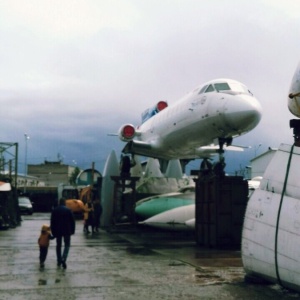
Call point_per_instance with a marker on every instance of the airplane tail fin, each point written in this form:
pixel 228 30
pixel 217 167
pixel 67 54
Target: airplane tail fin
pixel 174 169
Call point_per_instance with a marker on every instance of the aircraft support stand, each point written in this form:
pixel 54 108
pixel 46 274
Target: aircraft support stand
pixel 295 124
pixel 124 204
pixel 220 206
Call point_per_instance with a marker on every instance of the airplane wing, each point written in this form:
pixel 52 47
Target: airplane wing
pixel 209 151
pixel 236 148
pixel 147 149
pixel 136 147
pixel 230 148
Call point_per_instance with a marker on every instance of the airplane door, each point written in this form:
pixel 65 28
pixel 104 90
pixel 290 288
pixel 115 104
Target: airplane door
pixel 216 109
pixel 216 105
pixel 200 104
pixel 203 105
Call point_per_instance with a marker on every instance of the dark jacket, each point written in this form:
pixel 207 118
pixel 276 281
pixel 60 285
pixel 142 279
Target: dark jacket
pixel 62 221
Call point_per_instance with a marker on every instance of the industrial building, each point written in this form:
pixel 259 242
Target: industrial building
pixel 51 173
pixel 259 163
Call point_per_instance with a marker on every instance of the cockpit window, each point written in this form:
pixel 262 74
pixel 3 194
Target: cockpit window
pixel 240 88
pixel 203 89
pixel 229 88
pixel 210 89
pixel 222 86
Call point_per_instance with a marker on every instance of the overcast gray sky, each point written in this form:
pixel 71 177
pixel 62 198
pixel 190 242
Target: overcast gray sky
pixel 74 70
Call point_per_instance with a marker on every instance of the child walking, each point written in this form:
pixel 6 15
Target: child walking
pixel 44 241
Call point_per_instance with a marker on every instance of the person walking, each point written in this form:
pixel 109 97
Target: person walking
pixel 44 241
pixel 62 226
pixel 89 218
pixel 85 218
pixel 97 213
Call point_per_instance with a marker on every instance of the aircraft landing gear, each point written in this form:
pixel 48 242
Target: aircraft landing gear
pixel 295 124
pixel 207 168
pixel 220 165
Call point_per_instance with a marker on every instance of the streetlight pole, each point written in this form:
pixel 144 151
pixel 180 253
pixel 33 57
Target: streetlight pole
pixel 26 139
pixel 255 149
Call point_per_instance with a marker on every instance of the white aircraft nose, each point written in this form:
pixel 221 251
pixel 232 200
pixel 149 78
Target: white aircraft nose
pixel 294 94
pixel 242 113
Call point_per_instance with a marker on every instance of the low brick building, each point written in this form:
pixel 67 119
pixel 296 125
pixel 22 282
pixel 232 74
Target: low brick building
pixel 52 173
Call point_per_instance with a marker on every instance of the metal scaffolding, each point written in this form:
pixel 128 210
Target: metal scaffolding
pixel 9 162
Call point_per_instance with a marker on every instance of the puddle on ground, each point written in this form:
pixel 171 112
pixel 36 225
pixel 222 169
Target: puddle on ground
pixel 48 282
pixel 140 251
pixel 42 282
pixel 216 275
pixel 176 264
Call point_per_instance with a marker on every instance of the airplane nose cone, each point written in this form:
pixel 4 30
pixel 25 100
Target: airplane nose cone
pixel 294 94
pixel 243 113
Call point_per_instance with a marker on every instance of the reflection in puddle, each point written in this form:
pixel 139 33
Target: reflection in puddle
pixel 176 264
pixel 140 251
pixel 42 282
pixel 45 281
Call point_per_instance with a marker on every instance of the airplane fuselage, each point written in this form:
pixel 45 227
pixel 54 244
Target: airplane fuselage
pixel 220 108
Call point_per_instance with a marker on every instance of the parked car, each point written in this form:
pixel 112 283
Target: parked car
pixel 25 205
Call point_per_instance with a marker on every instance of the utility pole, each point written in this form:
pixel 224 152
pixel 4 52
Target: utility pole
pixel 26 139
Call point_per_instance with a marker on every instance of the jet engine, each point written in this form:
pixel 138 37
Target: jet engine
pixel 150 112
pixel 126 132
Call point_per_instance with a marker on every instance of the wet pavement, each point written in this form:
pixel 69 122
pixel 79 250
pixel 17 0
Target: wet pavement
pixel 126 263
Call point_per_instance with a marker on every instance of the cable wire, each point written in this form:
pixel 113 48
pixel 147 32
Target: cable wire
pixel 279 212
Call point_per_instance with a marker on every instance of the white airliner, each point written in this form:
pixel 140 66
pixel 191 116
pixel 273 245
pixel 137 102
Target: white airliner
pixel 196 126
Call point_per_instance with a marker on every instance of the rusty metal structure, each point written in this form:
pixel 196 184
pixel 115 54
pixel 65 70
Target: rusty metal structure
pixel 9 210
pixel 9 162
